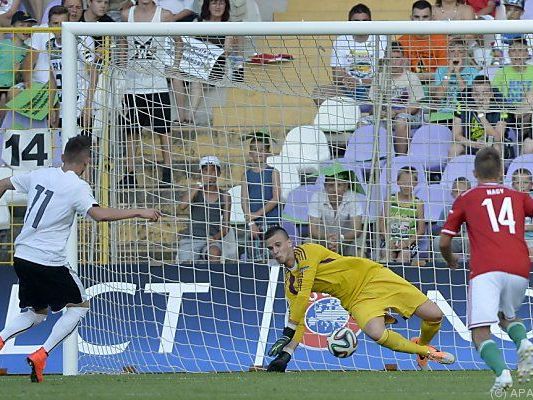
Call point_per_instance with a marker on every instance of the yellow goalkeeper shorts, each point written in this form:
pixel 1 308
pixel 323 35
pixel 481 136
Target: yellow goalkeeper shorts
pixel 385 291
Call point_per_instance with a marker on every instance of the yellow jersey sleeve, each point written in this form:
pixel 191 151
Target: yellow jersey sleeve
pixel 307 260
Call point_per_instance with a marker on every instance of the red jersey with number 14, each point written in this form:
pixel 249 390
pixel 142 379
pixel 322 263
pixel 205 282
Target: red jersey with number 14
pixel 494 216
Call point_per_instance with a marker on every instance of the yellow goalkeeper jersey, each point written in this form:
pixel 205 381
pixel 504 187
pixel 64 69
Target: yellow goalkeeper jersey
pixel 318 269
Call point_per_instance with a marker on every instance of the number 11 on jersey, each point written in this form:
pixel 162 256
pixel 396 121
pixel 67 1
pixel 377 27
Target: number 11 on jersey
pixel 505 217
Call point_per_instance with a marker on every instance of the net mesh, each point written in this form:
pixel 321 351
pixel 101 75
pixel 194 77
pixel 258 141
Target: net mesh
pixel 357 143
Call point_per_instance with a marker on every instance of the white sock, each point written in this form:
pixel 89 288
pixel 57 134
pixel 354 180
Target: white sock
pixel 21 323
pixel 64 326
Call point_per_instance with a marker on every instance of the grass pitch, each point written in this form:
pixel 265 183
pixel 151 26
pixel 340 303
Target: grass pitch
pixel 468 385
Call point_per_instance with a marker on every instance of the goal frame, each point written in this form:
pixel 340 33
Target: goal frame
pixel 71 30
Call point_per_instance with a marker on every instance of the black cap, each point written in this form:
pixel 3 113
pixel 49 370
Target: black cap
pixel 21 16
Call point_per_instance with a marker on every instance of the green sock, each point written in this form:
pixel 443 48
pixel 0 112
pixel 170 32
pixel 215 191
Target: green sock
pixel 517 332
pixel 491 354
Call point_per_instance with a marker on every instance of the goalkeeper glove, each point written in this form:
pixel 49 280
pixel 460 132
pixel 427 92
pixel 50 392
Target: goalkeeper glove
pixel 284 340
pixel 279 364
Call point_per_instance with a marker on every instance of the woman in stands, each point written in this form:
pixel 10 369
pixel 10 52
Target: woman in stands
pixel 212 11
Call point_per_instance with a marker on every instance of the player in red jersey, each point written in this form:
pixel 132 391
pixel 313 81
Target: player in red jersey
pixel 499 262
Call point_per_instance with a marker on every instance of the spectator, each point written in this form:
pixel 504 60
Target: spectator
pixel 425 52
pixel 209 216
pixel 260 196
pixel 522 182
pixel 515 82
pixel 452 10
pixel 460 243
pixel 354 60
pixel 335 214
pixel 44 65
pixel 7 10
pixel 147 98
pixel 478 122
pixel 97 12
pixel 405 217
pixel 406 92
pixel 451 82
pixel 183 10
pixel 483 7
pixel 12 53
pixel 212 11
pixel 75 9
pixel 514 9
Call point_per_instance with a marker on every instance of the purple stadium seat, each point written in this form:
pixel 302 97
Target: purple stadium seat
pixel 360 146
pixel 297 204
pixel 430 145
pixel 435 197
pixel 460 166
pixel 525 161
pixel 292 231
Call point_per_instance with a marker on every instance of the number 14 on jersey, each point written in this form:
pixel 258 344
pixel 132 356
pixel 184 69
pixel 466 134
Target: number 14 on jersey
pixel 505 216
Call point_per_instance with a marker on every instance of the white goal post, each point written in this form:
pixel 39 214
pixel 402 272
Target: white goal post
pixel 440 285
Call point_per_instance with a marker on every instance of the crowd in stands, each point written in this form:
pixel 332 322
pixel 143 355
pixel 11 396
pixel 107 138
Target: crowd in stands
pixel 480 87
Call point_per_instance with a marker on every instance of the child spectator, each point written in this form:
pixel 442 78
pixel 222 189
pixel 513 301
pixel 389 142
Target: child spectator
pixel 12 53
pixel 424 52
pixel 260 196
pixel 451 81
pixel 208 223
pixel 523 182
pixel 404 215
pixel 335 214
pixel 478 122
pixel 515 82
pixel 406 92
pixel 459 243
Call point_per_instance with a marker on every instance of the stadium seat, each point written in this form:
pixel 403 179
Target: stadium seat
pixel 457 167
pixel 435 197
pixel 525 161
pixel 303 150
pixel 360 146
pixel 430 146
pixel 297 204
pixel 237 213
pixel 338 114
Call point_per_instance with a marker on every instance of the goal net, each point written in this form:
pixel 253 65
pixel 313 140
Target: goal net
pixel 354 136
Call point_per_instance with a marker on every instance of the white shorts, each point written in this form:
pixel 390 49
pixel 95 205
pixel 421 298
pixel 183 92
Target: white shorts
pixel 492 292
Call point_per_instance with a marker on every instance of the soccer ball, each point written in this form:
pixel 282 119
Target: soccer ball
pixel 342 342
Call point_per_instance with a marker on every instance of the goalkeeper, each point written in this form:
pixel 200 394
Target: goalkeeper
pixel 365 288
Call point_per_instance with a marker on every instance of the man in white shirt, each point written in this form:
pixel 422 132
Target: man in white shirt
pixel 353 62
pixel 335 215
pixel 55 196
pixel 353 58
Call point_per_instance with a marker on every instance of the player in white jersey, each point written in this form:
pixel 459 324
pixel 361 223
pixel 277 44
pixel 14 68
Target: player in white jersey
pixel 147 99
pixel 46 282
